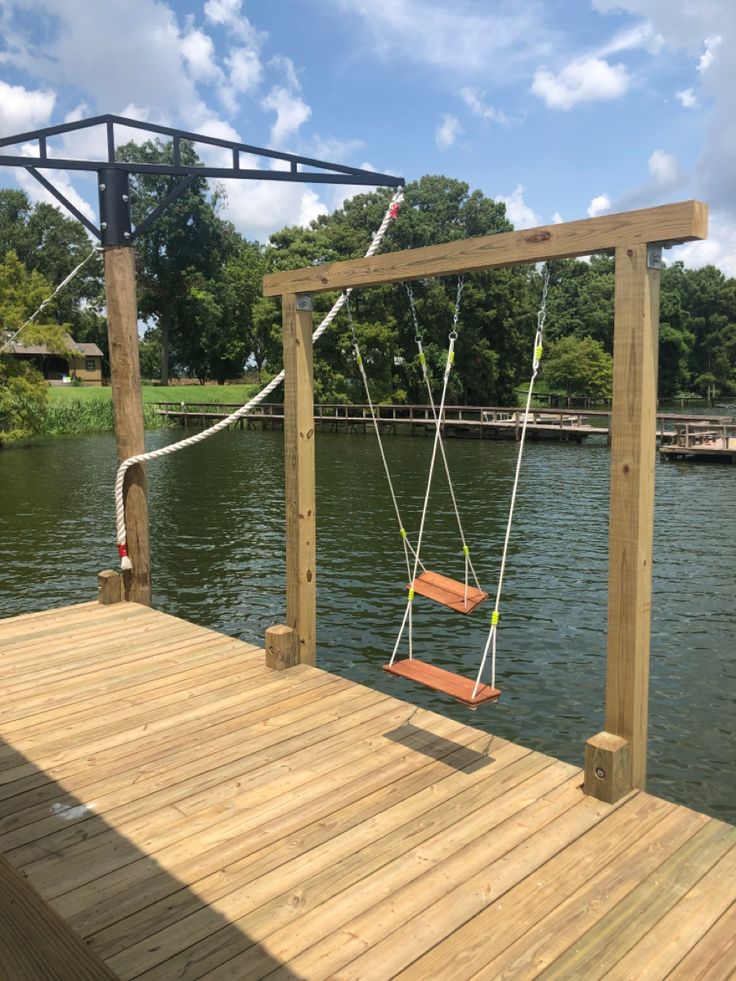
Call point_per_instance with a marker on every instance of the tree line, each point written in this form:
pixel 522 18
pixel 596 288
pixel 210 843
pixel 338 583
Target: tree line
pixel 199 285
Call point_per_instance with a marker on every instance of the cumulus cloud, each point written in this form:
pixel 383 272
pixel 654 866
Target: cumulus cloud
pixel 707 58
pixel 587 79
pixel 291 113
pixel 687 97
pixel 447 132
pixel 599 205
pixel 664 168
pixel 199 55
pixel 517 210
pixel 22 109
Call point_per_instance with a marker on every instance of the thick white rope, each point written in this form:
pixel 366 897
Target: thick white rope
pixel 536 358
pixel 125 563
pixel 48 300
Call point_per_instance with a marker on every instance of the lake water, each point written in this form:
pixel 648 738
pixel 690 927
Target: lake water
pixel 217 528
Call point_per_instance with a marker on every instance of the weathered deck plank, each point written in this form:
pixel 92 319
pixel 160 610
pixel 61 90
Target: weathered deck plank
pixel 190 813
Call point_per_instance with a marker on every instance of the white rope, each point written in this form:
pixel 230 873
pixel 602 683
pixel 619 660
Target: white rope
pixel 48 300
pixel 437 432
pixel 536 358
pixel 423 363
pixel 125 563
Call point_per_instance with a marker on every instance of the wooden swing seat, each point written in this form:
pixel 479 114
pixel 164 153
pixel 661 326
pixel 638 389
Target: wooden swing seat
pixel 443 681
pixel 448 592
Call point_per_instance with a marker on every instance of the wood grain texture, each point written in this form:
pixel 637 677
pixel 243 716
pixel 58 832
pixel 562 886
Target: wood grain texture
pixel 448 592
pixel 431 676
pixel 125 374
pixel 199 815
pixel 631 522
pixel 680 222
pixel 300 492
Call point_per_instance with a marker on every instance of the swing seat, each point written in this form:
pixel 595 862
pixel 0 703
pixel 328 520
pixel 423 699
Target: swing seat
pixel 454 685
pixel 448 592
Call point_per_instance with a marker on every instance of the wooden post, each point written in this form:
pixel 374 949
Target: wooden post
pixel 122 330
pixel 301 544
pixel 633 455
pixel 282 649
pixel 110 587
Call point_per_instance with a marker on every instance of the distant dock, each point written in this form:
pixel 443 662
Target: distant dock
pixel 461 421
pixel 700 441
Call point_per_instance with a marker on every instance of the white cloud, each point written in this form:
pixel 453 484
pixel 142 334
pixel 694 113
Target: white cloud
pixel 291 113
pixel 557 218
pixel 22 109
pixel 641 35
pixel 712 43
pixel 719 249
pixel 447 132
pixel 60 179
pixel 257 208
pixel 600 204
pixel 245 69
pixel 517 210
pixel 463 39
pixel 222 11
pixel 587 79
pixel 285 67
pixel 664 168
pixel 475 101
pixel 199 55
pixel 687 98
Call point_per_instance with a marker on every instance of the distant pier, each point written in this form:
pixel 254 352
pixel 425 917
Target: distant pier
pixel 461 421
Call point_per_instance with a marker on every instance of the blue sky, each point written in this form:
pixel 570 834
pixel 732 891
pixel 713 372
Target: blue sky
pixel 563 108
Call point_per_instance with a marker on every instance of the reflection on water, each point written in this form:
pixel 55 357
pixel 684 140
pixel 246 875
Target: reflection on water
pixel 217 539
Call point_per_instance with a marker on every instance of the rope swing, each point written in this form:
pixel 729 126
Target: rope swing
pixel 464 689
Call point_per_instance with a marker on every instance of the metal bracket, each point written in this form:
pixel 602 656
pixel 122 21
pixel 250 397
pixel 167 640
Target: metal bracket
pixel 654 257
pixel 304 301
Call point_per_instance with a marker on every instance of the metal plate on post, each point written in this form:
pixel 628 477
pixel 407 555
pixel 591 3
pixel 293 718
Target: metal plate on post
pixel 304 301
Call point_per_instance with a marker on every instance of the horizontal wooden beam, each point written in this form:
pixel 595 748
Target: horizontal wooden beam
pixel 673 223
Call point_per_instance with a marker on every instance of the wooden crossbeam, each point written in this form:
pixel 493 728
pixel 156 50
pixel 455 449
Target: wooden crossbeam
pixel 672 223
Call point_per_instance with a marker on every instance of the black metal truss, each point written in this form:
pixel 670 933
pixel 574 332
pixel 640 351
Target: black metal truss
pixel 317 172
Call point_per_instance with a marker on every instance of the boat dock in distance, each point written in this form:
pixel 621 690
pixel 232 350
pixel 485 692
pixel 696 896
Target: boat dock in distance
pixel 461 421
pixel 700 440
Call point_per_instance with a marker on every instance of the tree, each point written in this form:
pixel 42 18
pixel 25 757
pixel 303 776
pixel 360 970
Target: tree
pixel 180 257
pixel 578 366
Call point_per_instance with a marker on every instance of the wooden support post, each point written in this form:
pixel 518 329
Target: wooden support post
pixel 282 649
pixel 122 330
pixel 301 545
pixel 607 767
pixel 633 457
pixel 110 587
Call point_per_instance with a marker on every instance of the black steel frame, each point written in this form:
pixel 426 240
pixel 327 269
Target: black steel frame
pixel 113 174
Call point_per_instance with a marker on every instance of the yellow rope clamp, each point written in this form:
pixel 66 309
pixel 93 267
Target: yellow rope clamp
pixel 402 532
pixel 422 359
pixel 495 617
pixel 359 359
pixel 451 357
pixel 466 550
pixel 411 595
pixel 538 352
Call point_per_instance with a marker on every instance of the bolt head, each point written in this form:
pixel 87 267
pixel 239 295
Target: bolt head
pixel 103 225
pixel 126 234
pixel 125 197
pixel 102 187
pixel 600 772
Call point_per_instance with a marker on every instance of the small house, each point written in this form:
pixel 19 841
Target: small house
pixel 59 369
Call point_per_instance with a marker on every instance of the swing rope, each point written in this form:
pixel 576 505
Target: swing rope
pixel 374 419
pixel 418 337
pixel 391 213
pixel 439 416
pixel 536 359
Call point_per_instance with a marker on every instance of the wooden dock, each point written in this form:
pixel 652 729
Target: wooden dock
pixel 461 421
pixel 190 813
pixel 700 441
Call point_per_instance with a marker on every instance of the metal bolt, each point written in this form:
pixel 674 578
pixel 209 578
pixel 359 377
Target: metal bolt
pixel 125 197
pixel 102 187
pixel 103 225
pixel 126 234
pixel 600 772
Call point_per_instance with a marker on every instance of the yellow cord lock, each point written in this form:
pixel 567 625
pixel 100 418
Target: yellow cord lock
pixel 402 532
pixel 538 352
pixel 422 359
pixel 495 617
pixel 411 595
pixel 466 550
pixel 451 357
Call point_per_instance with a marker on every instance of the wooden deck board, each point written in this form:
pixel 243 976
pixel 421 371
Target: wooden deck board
pixel 190 813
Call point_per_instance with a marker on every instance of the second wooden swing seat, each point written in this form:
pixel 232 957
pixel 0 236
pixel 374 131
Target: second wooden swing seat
pixel 449 592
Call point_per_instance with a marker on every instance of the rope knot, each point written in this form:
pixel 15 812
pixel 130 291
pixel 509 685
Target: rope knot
pixel 125 562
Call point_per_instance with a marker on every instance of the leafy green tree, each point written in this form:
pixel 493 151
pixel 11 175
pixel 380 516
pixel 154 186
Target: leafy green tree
pixel 578 366
pixel 180 256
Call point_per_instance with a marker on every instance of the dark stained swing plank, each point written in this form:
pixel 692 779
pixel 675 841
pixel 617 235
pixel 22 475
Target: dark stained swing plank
pixel 443 681
pixel 448 592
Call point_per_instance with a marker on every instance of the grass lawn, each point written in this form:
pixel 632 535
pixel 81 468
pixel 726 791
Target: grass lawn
pixel 235 394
